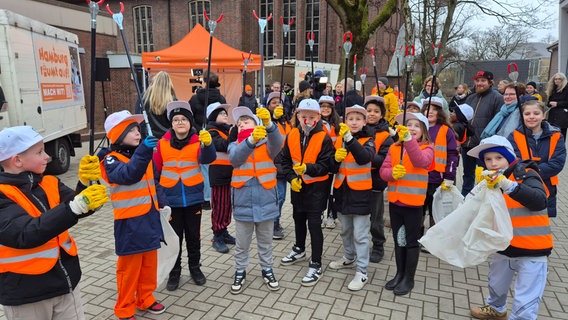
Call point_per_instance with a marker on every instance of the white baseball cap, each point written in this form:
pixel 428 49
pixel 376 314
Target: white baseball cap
pixel 412 115
pixel 309 105
pixel 466 110
pixel 179 107
pixel 436 101
pixel 16 140
pixel 372 98
pixel 244 111
pixel 494 141
pixel 326 99
pixel 115 119
pixel 356 108
pixel 214 106
pixel 273 95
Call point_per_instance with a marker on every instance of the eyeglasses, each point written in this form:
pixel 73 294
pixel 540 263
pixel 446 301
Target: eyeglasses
pixel 182 120
pixel 510 94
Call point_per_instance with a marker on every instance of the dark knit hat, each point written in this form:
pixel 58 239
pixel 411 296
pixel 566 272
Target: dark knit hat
pixel 384 80
pixel 304 85
pixel 179 107
pixel 531 83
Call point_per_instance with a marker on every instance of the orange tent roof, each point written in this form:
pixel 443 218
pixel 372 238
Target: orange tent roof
pixel 192 53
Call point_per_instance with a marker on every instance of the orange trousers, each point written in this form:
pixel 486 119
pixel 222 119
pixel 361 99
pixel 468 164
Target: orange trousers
pixel 136 281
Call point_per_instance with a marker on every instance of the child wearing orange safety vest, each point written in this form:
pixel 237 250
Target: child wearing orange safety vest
pixel 128 168
pixel 527 254
pixel 407 178
pixel 254 193
pixel 274 104
pixel 355 150
pixel 178 159
pixel 446 155
pixel 330 124
pixel 220 172
pixel 376 121
pixel 39 266
pixel 547 147
pixel 305 160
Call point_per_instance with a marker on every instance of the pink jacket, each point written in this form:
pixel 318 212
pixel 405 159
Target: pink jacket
pixel 419 158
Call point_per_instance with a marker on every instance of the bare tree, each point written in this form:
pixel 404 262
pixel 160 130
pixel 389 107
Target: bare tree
pixel 498 44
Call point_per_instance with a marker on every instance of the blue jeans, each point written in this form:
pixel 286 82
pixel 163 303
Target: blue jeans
pixel 206 185
pixel 281 187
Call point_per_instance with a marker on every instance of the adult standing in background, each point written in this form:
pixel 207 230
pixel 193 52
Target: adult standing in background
pixel 155 99
pixel 391 101
pixel 486 103
pixel 248 99
pixel 462 92
pixel 198 103
pixel 436 92
pixel 558 102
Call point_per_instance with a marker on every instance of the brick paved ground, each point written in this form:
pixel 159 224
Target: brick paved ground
pixel 441 291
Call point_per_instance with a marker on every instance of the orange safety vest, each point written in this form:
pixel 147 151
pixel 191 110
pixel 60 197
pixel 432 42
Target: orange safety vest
pixel 180 165
pixel 410 189
pixel 258 165
pixel 284 130
pixel 522 145
pixel 441 149
pixel 380 138
pixel 222 158
pixel 132 200
pixel 40 259
pixel 330 131
pixel 358 176
pixel 310 154
pixel 531 229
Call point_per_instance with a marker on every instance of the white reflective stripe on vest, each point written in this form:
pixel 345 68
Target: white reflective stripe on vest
pixel 67 244
pixel 407 190
pixel 122 204
pixel 222 155
pixel 267 177
pixel 47 254
pixel 531 231
pixel 264 165
pixel 524 212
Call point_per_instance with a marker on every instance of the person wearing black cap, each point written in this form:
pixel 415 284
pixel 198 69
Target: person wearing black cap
pixel 486 103
pixel 198 103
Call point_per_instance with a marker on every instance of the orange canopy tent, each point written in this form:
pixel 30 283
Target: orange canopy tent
pixel 192 53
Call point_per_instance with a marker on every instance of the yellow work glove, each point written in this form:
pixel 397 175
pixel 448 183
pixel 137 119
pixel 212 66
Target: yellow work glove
pixel 264 115
pixel 94 197
pixel 496 180
pixel 343 129
pixel 278 112
pixel 340 154
pixel 299 168
pixel 296 184
pixel 89 169
pixel 398 171
pixel 403 133
pixel 478 176
pixel 447 185
pixel 205 137
pixel 258 133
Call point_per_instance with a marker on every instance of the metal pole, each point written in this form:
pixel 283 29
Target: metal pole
pixel 94 9
pixel 262 24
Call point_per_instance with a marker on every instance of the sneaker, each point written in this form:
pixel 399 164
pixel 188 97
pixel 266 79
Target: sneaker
pixel 330 223
pixel 173 282
pixel 206 205
pixel 314 274
pixel 131 318
pixel 278 232
pixel 228 238
pixel 270 279
pixel 342 263
pixel 237 285
pixel 296 255
pixel 156 308
pixel 377 254
pixel 219 244
pixel 358 281
pixel 487 312
pixel 197 275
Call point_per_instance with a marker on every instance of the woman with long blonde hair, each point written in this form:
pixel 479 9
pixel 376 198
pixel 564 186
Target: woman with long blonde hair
pixel 155 99
pixel 557 93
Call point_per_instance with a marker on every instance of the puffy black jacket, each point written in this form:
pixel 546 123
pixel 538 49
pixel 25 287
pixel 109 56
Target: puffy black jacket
pixel 379 157
pixel 220 175
pixel 199 107
pixel 558 116
pixel 314 196
pixel 20 230
pixel 248 101
pixel 485 106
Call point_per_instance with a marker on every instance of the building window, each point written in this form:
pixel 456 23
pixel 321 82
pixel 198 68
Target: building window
pixel 312 25
pixel 289 13
pixel 196 9
pixel 266 8
pixel 143 29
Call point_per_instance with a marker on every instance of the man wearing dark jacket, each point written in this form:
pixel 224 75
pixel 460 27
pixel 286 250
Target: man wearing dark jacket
pixel 486 103
pixel 197 101
pixel 350 98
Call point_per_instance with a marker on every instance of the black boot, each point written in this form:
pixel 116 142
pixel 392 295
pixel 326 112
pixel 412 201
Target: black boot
pixel 377 254
pixel 400 258
pixel 197 275
pixel 407 282
pixel 173 280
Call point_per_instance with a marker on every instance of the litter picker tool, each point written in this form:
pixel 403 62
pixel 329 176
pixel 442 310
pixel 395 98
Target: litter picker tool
pixel 94 9
pixel 363 76
pixel 262 24
pixel 435 61
pixel 212 25
pixel 285 30
pixel 375 68
pixel 409 60
pixel 513 71
pixel 397 70
pixel 118 17
pixel 347 45
pixel 245 64
pixel 311 40
pixel 355 71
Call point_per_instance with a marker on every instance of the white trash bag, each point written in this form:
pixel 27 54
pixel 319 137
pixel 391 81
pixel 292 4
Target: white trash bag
pixel 445 202
pixel 168 252
pixel 478 228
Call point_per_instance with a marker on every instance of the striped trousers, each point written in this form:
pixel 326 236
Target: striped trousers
pixel 220 208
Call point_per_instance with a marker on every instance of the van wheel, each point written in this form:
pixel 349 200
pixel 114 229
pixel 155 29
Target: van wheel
pixel 60 152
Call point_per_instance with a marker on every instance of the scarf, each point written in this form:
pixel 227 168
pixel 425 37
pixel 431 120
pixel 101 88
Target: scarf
pixel 245 133
pixel 495 124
